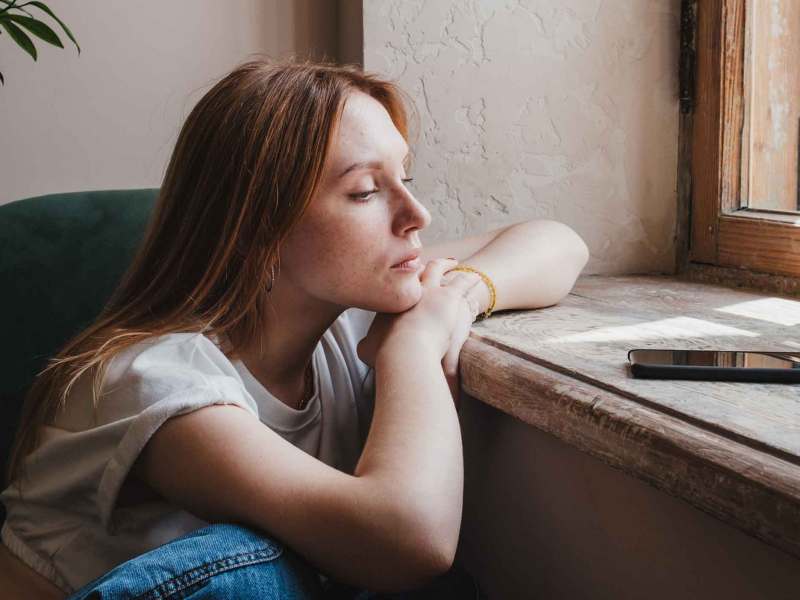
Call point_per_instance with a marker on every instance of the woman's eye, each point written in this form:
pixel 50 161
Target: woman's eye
pixel 363 196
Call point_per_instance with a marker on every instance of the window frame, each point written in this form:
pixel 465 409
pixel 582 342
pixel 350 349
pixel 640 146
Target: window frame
pixel 721 232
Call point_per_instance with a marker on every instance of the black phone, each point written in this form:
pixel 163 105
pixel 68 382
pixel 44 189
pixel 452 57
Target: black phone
pixel 716 365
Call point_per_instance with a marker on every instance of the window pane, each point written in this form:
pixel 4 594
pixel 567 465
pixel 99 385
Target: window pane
pixel 772 112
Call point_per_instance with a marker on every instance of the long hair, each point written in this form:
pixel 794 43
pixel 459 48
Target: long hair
pixel 246 164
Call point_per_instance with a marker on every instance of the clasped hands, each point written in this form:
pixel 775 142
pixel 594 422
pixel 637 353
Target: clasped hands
pixel 476 297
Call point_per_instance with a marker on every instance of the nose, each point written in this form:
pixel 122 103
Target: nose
pixel 410 214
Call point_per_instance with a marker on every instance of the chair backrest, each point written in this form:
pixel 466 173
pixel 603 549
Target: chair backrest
pixel 61 257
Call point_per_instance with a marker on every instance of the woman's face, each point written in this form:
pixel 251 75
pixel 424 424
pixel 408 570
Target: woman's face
pixel 362 219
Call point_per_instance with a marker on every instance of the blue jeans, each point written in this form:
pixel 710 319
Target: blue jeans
pixel 229 561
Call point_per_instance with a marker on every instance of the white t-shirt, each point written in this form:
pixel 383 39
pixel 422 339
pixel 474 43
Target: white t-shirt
pixel 67 526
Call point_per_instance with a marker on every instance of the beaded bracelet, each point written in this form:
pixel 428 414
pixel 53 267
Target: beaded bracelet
pixel 487 281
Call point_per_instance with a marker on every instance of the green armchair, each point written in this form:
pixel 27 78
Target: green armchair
pixel 61 257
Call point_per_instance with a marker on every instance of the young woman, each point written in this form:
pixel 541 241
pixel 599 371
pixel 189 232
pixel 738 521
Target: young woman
pixel 266 403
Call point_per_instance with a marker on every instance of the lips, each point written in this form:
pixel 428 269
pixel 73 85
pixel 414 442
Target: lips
pixel 407 258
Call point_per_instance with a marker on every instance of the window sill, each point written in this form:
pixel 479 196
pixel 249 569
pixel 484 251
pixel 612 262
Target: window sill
pixel 730 449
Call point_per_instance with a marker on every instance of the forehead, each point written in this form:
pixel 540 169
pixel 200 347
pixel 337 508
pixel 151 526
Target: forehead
pixel 365 132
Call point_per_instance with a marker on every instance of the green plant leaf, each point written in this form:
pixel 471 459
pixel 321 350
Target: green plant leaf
pixel 37 28
pixel 18 36
pixel 42 6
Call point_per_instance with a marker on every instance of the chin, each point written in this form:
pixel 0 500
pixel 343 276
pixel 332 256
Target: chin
pixel 410 299
pixel 401 299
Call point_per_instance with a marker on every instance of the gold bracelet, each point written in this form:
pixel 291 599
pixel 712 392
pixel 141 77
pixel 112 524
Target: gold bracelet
pixel 487 281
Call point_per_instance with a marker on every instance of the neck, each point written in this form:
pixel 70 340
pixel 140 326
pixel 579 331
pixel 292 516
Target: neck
pixel 279 359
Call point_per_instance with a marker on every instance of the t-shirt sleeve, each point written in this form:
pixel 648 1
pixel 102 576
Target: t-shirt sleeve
pixel 178 374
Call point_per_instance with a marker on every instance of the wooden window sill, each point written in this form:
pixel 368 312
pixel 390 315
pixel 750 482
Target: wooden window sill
pixel 730 449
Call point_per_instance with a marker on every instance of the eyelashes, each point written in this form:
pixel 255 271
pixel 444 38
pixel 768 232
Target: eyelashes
pixel 365 195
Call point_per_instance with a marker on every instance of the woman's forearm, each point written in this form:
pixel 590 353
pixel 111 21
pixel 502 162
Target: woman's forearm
pixel 531 264
pixel 413 452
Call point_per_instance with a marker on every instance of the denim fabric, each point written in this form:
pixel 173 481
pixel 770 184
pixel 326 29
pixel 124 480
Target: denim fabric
pixel 229 561
pixel 221 561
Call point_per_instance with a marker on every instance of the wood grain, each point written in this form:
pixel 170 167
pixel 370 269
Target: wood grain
pixel 731 449
pixel 773 101
pixel 731 94
pixel 757 281
pixel 717 124
pixel 730 160
pixel 706 150
pixel 759 244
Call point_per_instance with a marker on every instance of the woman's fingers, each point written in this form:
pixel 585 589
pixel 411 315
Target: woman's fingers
pixel 461 280
pixel 469 286
pixel 460 335
pixel 451 359
pixel 434 269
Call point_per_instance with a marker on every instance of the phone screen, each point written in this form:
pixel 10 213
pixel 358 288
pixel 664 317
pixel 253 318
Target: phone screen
pixel 717 358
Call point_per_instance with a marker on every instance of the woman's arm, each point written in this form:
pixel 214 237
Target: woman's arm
pixel 391 526
pixel 532 264
pixel 414 419
pixel 19 582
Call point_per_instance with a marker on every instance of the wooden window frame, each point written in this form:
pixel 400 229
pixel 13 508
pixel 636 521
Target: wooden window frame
pixel 721 232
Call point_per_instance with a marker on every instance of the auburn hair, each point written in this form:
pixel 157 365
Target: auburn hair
pixel 245 166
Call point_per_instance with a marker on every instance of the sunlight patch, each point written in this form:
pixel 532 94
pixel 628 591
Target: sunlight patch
pixel 677 327
pixel 775 310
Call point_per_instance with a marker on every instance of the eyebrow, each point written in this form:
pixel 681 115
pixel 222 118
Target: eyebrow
pixel 368 164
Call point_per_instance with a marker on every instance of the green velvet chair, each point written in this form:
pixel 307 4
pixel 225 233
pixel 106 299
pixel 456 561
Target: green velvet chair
pixel 61 257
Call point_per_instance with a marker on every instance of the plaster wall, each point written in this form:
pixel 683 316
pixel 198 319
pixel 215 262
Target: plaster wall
pixel 553 109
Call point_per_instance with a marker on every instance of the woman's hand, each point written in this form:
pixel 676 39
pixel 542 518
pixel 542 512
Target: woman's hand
pixel 469 312
pixel 466 312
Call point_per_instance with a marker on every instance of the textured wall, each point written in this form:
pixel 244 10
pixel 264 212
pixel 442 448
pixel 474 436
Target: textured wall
pixel 542 108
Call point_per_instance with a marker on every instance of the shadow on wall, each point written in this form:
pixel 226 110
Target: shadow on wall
pixel 545 520
pixel 320 29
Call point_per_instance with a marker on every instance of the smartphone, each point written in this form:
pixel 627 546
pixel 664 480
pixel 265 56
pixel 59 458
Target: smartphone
pixel 716 365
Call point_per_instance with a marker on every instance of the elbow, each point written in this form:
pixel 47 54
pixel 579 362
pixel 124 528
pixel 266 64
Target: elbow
pixel 569 255
pixel 436 542
pixel 573 249
pixel 574 256
pixel 429 549
pixel 425 564
pixel 438 552
pixel 413 539
pixel 417 576
pixel 412 564
pixel 564 247
pixel 582 251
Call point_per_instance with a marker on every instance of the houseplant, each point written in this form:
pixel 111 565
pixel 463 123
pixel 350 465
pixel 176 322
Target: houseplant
pixel 14 25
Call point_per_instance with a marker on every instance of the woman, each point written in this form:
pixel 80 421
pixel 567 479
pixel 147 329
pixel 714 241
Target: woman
pixel 241 416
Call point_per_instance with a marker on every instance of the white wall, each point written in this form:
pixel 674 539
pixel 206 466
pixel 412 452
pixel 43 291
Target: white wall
pixel 110 117
pixel 564 109
pixel 541 108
